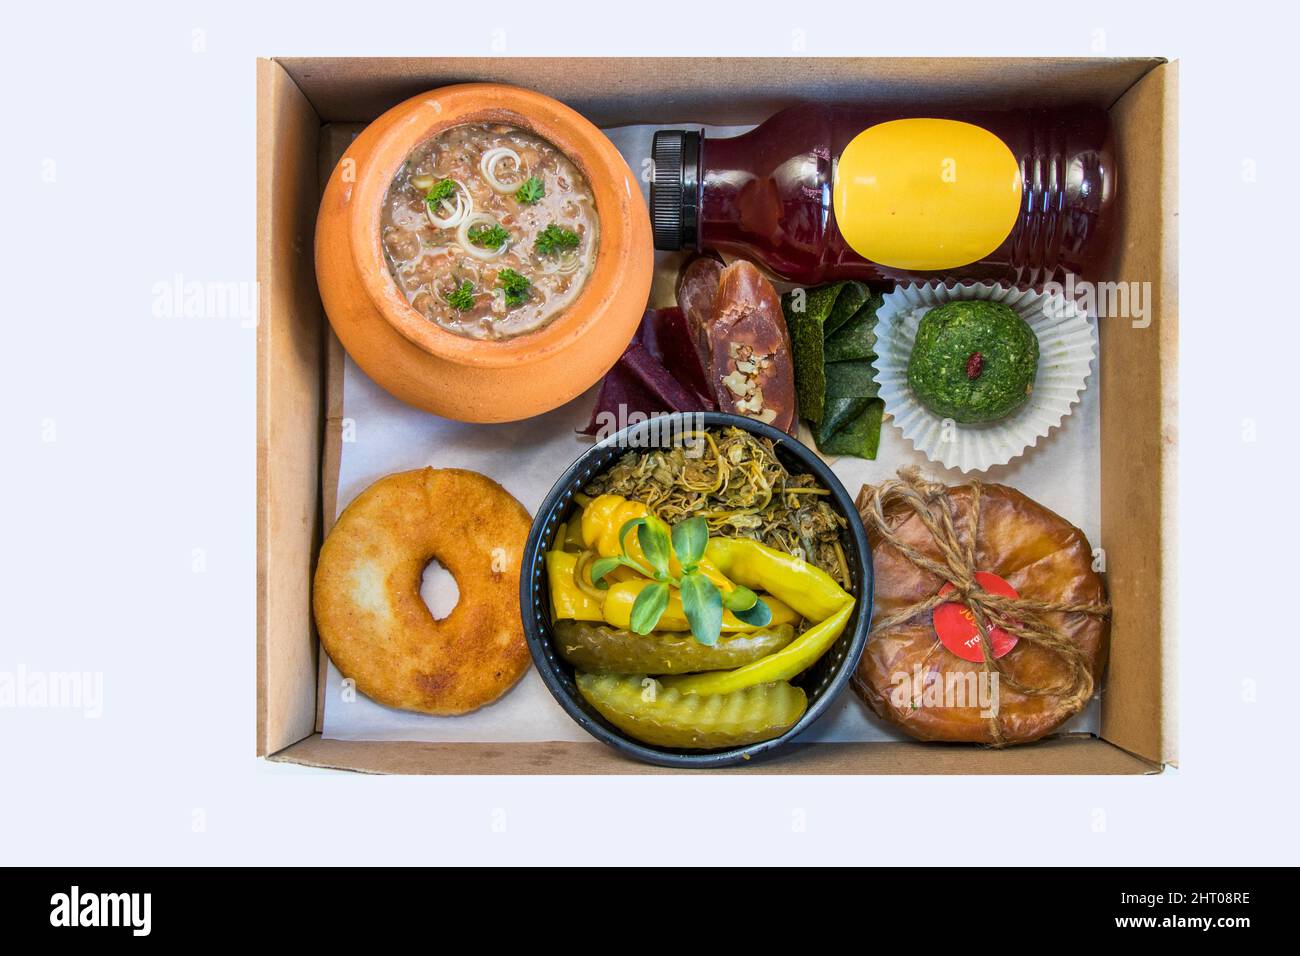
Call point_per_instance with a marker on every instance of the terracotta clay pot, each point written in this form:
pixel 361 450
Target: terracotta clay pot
pixel 454 376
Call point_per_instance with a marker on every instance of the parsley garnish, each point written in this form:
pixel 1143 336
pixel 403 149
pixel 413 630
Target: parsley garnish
pixel 532 191
pixel 462 298
pixel 556 239
pixel 489 237
pixel 442 189
pixel 516 287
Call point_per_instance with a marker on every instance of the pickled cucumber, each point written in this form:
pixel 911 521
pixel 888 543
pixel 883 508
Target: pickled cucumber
pixel 601 649
pixel 644 709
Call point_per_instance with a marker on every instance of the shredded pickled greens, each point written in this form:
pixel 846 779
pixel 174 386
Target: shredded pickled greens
pixel 741 488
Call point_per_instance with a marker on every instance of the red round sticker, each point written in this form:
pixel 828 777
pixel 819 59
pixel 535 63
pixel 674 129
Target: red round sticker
pixel 955 624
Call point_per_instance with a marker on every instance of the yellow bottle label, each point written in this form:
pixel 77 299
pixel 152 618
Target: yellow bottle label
pixel 925 194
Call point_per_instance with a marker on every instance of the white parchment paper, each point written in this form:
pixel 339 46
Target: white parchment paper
pixel 384 436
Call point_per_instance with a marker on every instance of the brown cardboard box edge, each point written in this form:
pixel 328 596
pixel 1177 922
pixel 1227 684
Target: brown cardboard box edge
pixel 1169 490
pixel 1055 757
pixel 295 348
pixel 289 427
pixel 1139 390
pixel 703 89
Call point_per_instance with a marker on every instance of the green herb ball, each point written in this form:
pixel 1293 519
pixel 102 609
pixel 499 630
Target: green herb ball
pixel 973 361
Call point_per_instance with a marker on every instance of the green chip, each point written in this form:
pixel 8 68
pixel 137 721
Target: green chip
pixel 861 436
pixel 856 339
pixel 834 338
pixel 851 297
pixel 805 312
pixel 850 389
pixel 855 379
pixel 840 412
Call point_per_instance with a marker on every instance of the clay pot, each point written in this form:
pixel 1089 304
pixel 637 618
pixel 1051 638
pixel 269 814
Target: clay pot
pixel 451 375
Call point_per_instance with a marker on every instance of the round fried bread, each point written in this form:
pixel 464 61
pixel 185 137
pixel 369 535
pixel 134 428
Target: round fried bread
pixel 372 620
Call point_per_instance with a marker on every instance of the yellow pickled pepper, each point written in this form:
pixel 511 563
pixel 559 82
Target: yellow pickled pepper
pixel 604 518
pixel 621 596
pixel 808 589
pixel 795 658
pixel 791 587
pixel 567 599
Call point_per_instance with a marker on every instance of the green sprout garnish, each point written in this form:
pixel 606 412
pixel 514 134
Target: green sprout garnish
pixel 556 239
pixel 441 190
pixel 531 191
pixel 489 237
pixel 462 298
pixel 516 286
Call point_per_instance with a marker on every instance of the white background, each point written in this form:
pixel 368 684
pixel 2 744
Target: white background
pixel 128 443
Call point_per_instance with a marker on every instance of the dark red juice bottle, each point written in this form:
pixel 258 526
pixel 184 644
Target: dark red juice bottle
pixel 818 193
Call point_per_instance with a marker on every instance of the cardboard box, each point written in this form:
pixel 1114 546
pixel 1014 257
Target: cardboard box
pixel 307 109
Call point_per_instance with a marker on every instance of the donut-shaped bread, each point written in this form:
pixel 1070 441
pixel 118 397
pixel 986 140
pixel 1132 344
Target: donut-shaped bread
pixel 372 621
pixel 1044 558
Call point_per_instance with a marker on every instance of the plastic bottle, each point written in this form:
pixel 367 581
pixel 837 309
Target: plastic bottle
pixel 818 193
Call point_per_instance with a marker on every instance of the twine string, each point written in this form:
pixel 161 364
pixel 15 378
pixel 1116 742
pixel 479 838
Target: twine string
pixel 1024 618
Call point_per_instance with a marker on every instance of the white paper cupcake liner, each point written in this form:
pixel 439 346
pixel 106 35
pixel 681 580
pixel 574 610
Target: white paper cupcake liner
pixel 1067 345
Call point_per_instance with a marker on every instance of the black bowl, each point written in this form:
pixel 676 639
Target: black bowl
pixel 823 682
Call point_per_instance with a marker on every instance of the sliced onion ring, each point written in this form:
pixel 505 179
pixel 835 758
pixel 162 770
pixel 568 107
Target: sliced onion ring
pixel 464 206
pixel 566 263
pixel 478 252
pixel 488 164
pixel 453 220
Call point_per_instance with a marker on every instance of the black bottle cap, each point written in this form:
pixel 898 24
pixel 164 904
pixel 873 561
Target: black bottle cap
pixel 675 188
